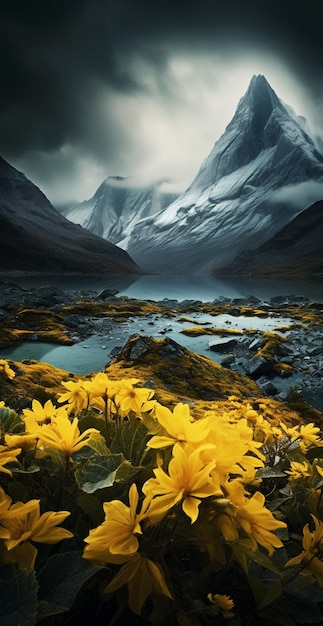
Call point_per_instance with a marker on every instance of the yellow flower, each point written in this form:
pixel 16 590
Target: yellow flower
pixel 100 384
pixel 229 451
pixel 76 396
pixel 247 435
pixel 308 435
pixel 298 470
pixel 101 392
pixel 188 480
pixel 62 434
pixel 130 399
pixel 116 536
pixel 24 441
pixel 8 456
pixel 5 502
pixel 257 522
pixel 312 554
pixel 143 578
pixel 6 369
pixel 22 523
pixel 179 426
pixel 223 603
pixel 39 415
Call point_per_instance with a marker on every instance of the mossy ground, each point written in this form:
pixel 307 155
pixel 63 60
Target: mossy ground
pixel 272 342
pixel 26 323
pixel 196 331
pixel 189 378
pixel 195 381
pixel 34 380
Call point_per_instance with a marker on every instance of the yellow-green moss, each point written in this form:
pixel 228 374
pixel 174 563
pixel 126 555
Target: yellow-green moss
pixel 187 375
pixel 121 309
pixel 37 380
pixel 283 369
pixel 276 412
pixel 47 325
pixel 271 345
pixel 196 331
pixel 184 318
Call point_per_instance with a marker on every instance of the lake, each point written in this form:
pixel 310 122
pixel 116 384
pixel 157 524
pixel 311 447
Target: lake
pixel 205 288
pixel 93 354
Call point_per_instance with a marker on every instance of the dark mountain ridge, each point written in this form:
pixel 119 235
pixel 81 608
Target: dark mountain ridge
pixel 296 250
pixel 35 237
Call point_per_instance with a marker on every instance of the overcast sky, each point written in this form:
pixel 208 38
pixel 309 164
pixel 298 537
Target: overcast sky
pixel 97 88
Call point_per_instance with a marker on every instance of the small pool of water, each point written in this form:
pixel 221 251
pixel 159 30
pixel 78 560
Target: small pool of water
pixel 93 354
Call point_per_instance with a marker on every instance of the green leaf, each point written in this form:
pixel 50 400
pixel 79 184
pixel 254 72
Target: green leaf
pixel 270 472
pixel 57 456
pixel 317 482
pixel 60 580
pixel 10 422
pixel 98 472
pixel 92 507
pixel 302 605
pixel 262 559
pixel 271 616
pixel 32 469
pixel 316 452
pixel 271 594
pixel 18 596
pixel 257 587
pixel 131 440
pixel 126 471
pixel 98 445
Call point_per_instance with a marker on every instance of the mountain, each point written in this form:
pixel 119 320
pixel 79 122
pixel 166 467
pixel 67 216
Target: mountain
pixel 296 250
pixel 264 170
pixel 117 205
pixel 36 237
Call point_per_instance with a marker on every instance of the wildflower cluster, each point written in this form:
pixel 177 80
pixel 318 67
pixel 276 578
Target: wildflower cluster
pixel 169 518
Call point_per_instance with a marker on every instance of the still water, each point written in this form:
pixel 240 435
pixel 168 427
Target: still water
pixel 205 288
pixel 94 353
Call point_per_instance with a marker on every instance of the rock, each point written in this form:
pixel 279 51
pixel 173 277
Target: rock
pixel 177 369
pixel 135 347
pixel 268 388
pixel 313 396
pixel 228 360
pixel 222 344
pixel 258 366
pixel 48 296
pixel 315 351
pixel 256 344
pixel 241 365
pixel 107 293
pixel 74 320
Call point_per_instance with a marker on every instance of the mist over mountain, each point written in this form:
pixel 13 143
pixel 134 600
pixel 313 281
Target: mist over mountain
pixel 35 237
pixel 240 210
pixel 264 170
pixel 118 205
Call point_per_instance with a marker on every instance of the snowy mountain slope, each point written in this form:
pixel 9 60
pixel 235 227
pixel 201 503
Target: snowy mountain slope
pixel 36 237
pixel 117 205
pixel 260 174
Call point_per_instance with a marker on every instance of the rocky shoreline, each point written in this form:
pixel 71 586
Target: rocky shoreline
pixel 281 363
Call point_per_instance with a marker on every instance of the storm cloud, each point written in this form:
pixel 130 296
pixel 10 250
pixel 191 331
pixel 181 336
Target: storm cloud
pixel 92 88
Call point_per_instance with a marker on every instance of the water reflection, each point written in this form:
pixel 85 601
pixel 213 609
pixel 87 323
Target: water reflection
pixel 158 287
